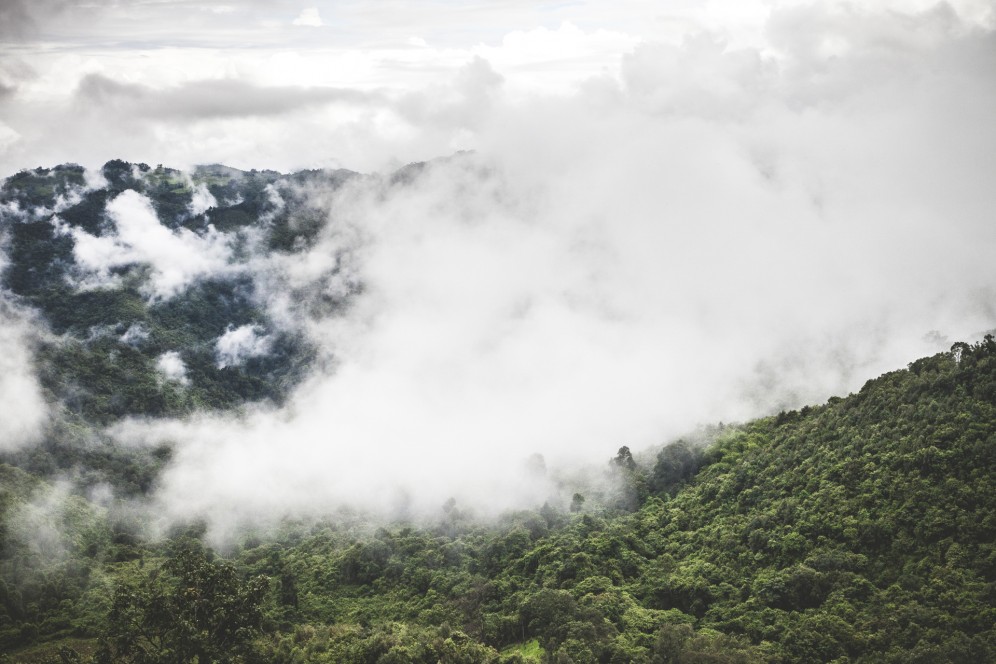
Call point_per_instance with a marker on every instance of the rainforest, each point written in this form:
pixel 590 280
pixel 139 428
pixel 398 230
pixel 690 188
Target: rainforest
pixel 152 304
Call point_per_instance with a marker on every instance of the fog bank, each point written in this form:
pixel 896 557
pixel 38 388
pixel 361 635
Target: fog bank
pixel 710 230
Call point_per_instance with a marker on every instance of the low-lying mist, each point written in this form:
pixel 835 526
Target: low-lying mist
pixel 710 234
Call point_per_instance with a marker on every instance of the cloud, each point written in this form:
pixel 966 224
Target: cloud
pixel 461 103
pixel 714 228
pixel 177 258
pixel 702 78
pixel 20 18
pixel 309 17
pixel 240 343
pixel 25 411
pixel 41 524
pixel 135 335
pixel 718 236
pixel 202 99
pixel 171 366
pixel 202 200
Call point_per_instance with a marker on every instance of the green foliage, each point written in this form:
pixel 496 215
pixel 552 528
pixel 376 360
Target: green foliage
pixel 92 368
pixel 860 531
pixel 41 186
pixel 193 608
pixel 51 549
pixel 676 464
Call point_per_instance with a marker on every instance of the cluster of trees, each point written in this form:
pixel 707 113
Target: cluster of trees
pixel 862 530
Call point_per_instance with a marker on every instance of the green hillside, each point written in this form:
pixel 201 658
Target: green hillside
pixel 861 530
pixel 858 531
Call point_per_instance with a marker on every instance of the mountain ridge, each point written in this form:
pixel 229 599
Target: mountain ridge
pixel 858 530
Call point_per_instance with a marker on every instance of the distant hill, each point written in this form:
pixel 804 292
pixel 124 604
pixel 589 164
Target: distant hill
pixel 140 310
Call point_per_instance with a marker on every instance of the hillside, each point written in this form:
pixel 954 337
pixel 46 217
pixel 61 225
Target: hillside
pixel 134 298
pixel 147 285
pixel 860 530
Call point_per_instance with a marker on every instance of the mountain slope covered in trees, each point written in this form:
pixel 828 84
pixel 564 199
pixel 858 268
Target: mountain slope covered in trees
pixel 147 286
pixel 861 530
pixel 118 313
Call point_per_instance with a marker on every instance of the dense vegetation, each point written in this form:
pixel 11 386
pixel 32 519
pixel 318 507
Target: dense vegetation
pixel 861 530
pixel 105 356
pixel 103 363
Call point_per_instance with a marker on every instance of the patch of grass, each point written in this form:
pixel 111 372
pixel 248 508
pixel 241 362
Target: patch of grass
pixel 531 650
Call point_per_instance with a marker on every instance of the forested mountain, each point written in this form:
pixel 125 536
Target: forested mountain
pixel 860 530
pixel 107 280
pixel 147 283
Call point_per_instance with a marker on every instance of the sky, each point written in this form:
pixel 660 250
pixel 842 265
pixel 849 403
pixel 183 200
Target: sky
pixel 374 84
pixel 672 213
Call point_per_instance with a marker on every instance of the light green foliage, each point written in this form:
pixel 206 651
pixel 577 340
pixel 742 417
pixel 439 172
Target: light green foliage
pixel 530 651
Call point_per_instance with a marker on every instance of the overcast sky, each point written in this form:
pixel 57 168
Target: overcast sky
pixel 365 85
pixel 676 212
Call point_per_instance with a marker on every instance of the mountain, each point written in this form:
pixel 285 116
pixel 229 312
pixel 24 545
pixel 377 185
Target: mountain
pixel 859 530
pixel 100 279
pixel 149 286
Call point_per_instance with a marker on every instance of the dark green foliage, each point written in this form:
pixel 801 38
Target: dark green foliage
pixel 121 175
pixel 51 548
pixel 192 609
pixel 860 531
pixel 676 464
pixel 91 370
pixel 204 312
pixel 42 186
pixel 171 199
pixel 78 312
pixel 104 380
pixel 299 224
pixel 630 480
pixel 88 214
pixel 38 258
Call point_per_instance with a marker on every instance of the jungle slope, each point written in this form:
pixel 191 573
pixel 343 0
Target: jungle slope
pixel 861 530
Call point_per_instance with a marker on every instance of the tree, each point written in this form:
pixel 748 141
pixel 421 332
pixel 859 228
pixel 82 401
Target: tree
pixel 193 608
pixel 624 458
pixel 676 463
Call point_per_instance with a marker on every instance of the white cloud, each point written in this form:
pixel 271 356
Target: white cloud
pixel 309 17
pixel 202 200
pixel 693 220
pixel 177 258
pixel 24 411
pixel 237 344
pixel 45 524
pixel 171 366
pixel 556 60
pixel 135 335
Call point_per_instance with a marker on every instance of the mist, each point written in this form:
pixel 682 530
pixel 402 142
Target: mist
pixel 23 411
pixel 707 231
